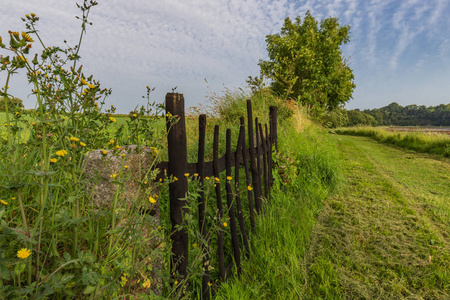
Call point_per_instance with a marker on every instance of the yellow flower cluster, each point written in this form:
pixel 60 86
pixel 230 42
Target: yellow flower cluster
pixel 61 153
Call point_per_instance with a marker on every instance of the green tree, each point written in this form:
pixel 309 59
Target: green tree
pixel 306 62
pixel 11 101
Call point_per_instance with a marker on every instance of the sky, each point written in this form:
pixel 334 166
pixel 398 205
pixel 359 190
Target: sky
pixel 399 50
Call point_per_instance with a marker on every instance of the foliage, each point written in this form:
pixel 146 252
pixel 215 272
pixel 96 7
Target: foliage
pixel 11 102
pixel 337 117
pixel 395 114
pixel 306 62
pixel 308 170
pixel 54 241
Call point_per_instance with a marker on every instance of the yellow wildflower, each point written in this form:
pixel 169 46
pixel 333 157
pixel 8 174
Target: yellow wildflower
pixel 217 179
pixel 82 144
pixel 117 147
pixel 176 282
pixel 151 200
pixel 83 81
pixel 186 174
pixel 229 178
pixel 155 150
pixel 53 160
pixel 249 188
pixel 33 15
pixel 146 284
pixel 195 174
pixel 23 253
pixel 125 167
pixel 207 178
pixel 225 224
pixel 135 115
pixel 209 284
pixel 112 119
pixel 111 142
pixel 91 86
pixel 104 152
pixel 27 37
pixel 3 202
pixel 175 178
pixel 122 155
pixel 74 139
pixel 61 153
pixel 113 175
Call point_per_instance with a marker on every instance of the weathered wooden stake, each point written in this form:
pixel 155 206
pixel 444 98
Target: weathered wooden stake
pixel 216 172
pixel 231 215
pixel 253 166
pixel 248 179
pixel 177 151
pixel 206 289
pixel 237 160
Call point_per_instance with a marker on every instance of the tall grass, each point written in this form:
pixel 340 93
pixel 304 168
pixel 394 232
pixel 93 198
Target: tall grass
pixel 308 170
pixel 434 143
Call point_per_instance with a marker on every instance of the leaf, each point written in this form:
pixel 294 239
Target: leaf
pixel 89 290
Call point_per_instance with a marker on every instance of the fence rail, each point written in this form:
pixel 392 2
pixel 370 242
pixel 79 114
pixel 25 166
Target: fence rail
pixel 257 162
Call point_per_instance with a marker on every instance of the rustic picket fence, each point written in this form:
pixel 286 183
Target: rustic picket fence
pixel 257 161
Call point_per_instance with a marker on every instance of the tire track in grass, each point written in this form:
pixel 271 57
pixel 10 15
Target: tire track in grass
pixel 386 235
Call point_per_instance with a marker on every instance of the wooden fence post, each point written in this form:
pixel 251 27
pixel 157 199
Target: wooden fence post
pixel 206 289
pixel 177 151
pixel 253 165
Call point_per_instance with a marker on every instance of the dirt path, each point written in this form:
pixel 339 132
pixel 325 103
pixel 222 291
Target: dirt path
pixel 386 235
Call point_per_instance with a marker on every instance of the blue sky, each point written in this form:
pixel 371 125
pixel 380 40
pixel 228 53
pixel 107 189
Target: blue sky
pixel 399 49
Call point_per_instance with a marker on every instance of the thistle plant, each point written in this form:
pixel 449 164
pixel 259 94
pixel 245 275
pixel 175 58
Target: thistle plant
pixel 53 242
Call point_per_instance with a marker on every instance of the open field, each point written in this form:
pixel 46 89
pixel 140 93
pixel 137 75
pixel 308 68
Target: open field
pixel 432 141
pixel 442 130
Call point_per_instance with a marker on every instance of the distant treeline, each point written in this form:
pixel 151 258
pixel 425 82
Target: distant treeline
pixel 393 114
pixel 11 101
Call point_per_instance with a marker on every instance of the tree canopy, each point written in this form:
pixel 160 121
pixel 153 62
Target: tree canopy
pixel 306 62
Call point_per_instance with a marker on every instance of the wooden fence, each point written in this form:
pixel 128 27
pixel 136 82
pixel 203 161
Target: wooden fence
pixel 257 161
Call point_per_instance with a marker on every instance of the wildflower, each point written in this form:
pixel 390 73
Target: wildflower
pixel 195 174
pixel 186 174
pixel 175 178
pixel 33 15
pixel 104 152
pixel 249 188
pixel 73 146
pixel 176 282
pixel 3 202
pixel 111 142
pixel 209 284
pixel 151 200
pixel 146 284
pixel 154 149
pixel 74 139
pixel 23 253
pixel 229 178
pixel 91 86
pixel 112 119
pixel 217 179
pixel 135 115
pixel 61 153
pixel 225 224
pixel 113 176
pixel 207 178
pixel 122 155
pixel 125 167
pixel 83 81
pixel 53 160
pixel 27 37
pixel 82 144
pixel 117 147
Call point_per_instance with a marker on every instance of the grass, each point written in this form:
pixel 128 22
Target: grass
pixel 386 235
pixel 308 172
pixel 434 143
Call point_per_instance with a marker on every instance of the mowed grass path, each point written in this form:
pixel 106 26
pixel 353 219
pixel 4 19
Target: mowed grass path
pixel 386 235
